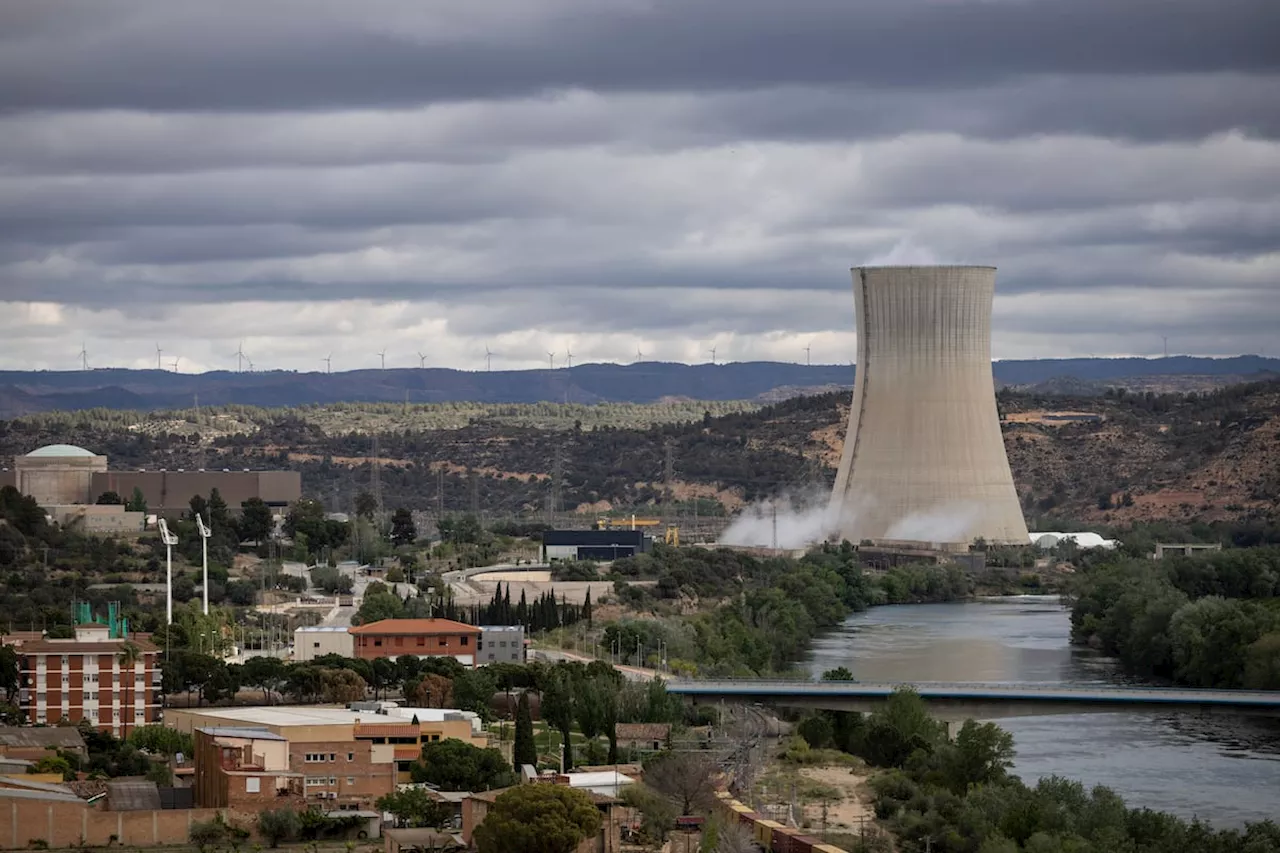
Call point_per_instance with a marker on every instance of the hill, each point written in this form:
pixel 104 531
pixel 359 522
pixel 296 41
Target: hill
pixel 1098 459
pixel 28 392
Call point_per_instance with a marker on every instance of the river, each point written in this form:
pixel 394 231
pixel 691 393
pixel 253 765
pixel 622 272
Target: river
pixel 1221 768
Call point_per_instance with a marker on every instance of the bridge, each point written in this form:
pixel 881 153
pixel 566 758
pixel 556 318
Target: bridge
pixel 956 702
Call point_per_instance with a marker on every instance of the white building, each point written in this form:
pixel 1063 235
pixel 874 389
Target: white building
pixel 500 644
pixel 320 640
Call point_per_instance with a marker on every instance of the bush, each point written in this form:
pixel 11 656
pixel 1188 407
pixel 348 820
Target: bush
pixel 279 825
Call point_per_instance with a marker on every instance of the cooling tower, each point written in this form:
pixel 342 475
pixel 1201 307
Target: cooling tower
pixel 923 458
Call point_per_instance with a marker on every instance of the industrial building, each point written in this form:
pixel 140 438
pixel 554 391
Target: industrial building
pixel 391 638
pixel 103 676
pixel 601 545
pixel 923 457
pixel 340 758
pixel 501 644
pixel 67 481
pixel 316 641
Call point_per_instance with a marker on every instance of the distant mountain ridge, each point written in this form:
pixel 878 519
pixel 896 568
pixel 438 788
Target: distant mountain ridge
pixel 26 392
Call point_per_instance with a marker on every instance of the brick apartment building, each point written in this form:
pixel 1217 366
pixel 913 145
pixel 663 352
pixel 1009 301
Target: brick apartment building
pixel 391 638
pixel 112 682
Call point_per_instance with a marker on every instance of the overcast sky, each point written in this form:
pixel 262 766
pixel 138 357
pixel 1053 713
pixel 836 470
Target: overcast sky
pixel 602 176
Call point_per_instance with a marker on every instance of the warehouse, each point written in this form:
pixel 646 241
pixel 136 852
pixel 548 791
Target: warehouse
pixel 602 545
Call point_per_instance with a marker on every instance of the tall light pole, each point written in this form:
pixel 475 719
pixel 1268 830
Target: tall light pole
pixel 204 557
pixel 169 540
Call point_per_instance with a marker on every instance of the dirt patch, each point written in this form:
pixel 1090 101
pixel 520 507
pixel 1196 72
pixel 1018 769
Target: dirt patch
pixel 852 809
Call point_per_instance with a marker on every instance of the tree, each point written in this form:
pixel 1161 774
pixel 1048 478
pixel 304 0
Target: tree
pixel 403 530
pixel 415 807
pixel 558 710
pixel 109 499
pixel 432 691
pixel 366 506
pixel 137 501
pixel 688 779
pixel 340 686
pixel 456 765
pixel 278 825
pixel 161 740
pixel 525 751
pixel 981 755
pixel 219 516
pixel 266 673
pixel 586 607
pixel 538 819
pixel 1262 663
pixel 840 673
pixel 10 673
pixel 256 521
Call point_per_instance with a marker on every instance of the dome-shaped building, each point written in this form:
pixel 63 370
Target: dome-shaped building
pixel 58 474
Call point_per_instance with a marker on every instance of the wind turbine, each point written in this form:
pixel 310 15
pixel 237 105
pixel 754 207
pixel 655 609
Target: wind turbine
pixel 250 363
pixel 807 362
pixel 84 357
pixel 713 354
pixel 169 540
pixel 488 358
pixel 422 361
pixel 175 363
pixel 240 358
pixel 639 355
pixel 383 355
pixel 568 354
pixel 159 366
pixel 551 361
pixel 328 363
pixel 205 533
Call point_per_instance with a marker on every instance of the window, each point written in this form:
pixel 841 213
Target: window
pixel 377 642
pixel 313 757
pixel 422 641
pixel 351 780
pixel 351 756
pixel 315 645
pixel 66 679
pixel 465 640
pixel 399 641
pixel 252 785
pixel 331 757
pixel 444 641
pixel 502 645
pixel 332 781
pixel 65 660
pixel 435 737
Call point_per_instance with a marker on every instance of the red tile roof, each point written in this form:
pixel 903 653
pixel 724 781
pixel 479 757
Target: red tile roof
pixel 366 730
pixel 416 626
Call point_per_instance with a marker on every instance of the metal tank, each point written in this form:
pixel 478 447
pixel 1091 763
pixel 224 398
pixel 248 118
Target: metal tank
pixel 923 458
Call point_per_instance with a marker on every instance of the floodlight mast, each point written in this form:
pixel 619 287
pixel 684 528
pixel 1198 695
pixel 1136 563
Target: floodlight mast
pixel 169 540
pixel 205 533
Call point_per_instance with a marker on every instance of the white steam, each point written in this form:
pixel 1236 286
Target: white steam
pixel 904 253
pixel 799 521
pixel 940 524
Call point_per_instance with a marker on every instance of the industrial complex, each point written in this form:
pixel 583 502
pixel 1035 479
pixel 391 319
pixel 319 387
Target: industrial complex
pixel 923 457
pixel 67 482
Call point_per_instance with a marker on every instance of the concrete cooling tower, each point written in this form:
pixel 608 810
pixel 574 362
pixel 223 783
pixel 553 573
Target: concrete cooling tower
pixel 923 458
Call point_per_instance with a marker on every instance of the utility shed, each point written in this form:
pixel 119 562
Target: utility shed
pixel 603 545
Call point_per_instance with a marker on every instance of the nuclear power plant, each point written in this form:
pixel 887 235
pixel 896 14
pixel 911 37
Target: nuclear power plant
pixel 923 458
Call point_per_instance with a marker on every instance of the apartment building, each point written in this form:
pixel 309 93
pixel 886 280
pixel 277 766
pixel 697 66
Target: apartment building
pixel 501 644
pixel 392 638
pixel 344 759
pixel 112 682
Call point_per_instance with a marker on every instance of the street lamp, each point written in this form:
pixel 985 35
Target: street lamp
pixel 169 540
pixel 204 557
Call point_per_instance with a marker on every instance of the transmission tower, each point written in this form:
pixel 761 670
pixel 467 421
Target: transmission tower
pixel 377 482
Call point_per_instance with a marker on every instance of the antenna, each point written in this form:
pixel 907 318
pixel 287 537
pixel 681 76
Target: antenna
pixel 551 361
pixel 159 366
pixel 422 361
pixel 383 355
pixel 488 358
pixel 84 357
pixel 204 556
pixel 240 358
pixel 328 363
pixel 175 363
pixel 169 541
pixel 713 354
pixel 807 361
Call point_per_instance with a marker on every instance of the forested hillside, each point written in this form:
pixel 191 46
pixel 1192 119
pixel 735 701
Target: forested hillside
pixel 1115 459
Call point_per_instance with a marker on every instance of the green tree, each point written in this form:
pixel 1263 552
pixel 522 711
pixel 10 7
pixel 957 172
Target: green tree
pixel 456 765
pixel 109 499
pixel 366 506
pixel 378 606
pixel 1262 663
pixel 278 825
pixel 161 740
pixel 403 530
pixel 558 710
pixel 901 727
pixel 266 673
pixel 256 521
pixel 137 502
pixel 840 673
pixel 981 755
pixel 415 807
pixel 538 819
pixel 525 751
pixel 219 515
pixel 10 673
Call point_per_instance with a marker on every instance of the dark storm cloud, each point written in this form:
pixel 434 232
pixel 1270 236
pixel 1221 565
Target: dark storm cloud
pixel 305 55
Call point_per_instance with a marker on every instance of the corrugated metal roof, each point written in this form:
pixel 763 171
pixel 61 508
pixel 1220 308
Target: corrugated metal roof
pixel 132 795
pixel 241 732
pixel 24 794
pixel 64 737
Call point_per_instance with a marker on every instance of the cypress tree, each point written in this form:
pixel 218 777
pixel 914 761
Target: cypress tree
pixel 525 751
pixel 586 608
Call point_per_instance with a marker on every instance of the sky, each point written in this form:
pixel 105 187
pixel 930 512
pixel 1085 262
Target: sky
pixel 307 179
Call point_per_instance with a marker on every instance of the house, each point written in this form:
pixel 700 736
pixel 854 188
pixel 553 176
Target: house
pixel 643 737
pixel 244 769
pixel 392 638
pixel 413 840
pixel 32 744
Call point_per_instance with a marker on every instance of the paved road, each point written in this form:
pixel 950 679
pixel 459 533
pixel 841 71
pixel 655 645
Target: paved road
pixel 746 689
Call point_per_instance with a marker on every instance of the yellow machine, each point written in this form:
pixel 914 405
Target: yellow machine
pixel 631 523
pixel 672 536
